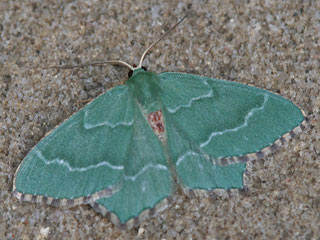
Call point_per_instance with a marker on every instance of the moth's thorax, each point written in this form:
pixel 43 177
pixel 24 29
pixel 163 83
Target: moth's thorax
pixel 145 89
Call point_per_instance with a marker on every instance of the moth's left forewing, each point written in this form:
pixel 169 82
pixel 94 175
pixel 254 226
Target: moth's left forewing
pixel 81 160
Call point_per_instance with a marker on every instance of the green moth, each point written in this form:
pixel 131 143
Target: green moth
pixel 128 150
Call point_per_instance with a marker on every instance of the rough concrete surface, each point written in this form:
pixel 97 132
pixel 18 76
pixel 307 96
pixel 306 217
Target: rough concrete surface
pixel 271 44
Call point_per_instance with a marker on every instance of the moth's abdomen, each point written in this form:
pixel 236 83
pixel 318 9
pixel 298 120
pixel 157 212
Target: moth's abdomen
pixel 156 122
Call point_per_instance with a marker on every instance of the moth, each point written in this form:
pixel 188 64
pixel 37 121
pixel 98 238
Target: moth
pixel 128 150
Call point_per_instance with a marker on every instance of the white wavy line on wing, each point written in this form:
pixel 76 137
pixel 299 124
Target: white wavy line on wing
pixel 248 116
pixel 183 157
pixel 145 168
pixel 106 123
pixel 190 102
pixel 72 169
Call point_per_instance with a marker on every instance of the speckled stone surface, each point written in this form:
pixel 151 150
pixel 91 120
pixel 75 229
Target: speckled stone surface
pixel 275 46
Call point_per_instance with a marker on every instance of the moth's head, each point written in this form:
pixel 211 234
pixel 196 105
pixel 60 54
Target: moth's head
pixel 130 73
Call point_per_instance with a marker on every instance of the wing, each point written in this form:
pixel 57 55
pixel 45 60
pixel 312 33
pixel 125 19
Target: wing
pixel 83 158
pixel 147 178
pixel 216 121
pixel 106 155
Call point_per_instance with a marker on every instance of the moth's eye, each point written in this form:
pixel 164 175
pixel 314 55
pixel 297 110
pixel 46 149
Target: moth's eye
pixel 144 68
pixel 130 73
pixel 134 65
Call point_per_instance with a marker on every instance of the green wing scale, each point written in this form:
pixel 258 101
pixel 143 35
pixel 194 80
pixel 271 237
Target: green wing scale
pixel 125 151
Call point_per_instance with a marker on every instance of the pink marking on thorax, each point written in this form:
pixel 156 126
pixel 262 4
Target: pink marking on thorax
pixel 156 122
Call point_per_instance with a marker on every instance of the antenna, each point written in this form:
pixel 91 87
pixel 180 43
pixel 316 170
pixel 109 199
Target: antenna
pixel 163 36
pixel 114 62
pixel 118 62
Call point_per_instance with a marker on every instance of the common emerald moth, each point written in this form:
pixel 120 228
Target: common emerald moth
pixel 131 148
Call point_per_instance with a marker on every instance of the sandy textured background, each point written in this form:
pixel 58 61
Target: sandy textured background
pixel 274 46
